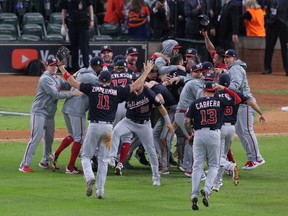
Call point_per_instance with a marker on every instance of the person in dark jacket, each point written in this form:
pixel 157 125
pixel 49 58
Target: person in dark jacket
pixel 276 26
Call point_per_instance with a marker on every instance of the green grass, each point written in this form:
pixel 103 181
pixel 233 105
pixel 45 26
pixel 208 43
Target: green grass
pixel 260 192
pixel 272 91
pixel 23 104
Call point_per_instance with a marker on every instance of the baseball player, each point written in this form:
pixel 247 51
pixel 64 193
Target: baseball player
pixel 42 114
pixel 137 121
pixel 245 116
pixel 187 96
pixel 74 111
pixel 120 76
pixel 228 132
pixel 103 101
pixel 106 54
pixel 206 116
pixel 132 58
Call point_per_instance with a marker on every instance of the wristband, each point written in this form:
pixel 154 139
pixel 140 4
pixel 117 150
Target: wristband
pixel 167 119
pixel 66 75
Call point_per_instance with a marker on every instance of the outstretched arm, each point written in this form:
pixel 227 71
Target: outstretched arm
pixel 70 79
pixel 209 45
pixel 140 81
pixel 255 106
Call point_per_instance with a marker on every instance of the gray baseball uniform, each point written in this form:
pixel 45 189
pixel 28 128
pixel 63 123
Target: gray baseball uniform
pixel 245 116
pixel 42 115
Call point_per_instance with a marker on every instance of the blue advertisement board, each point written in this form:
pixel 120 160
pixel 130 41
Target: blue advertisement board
pixel 14 58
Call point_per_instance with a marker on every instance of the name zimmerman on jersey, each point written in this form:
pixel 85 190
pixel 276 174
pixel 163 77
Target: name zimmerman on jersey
pixel 104 91
pixel 207 104
pixel 134 104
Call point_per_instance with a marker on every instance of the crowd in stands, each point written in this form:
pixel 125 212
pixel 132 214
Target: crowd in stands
pixel 156 20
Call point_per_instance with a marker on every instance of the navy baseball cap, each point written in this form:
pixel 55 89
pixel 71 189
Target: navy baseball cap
pixel 118 57
pixel 121 63
pixel 224 79
pixel 209 86
pixel 132 51
pixel 52 61
pixel 191 52
pixel 105 76
pixel 196 68
pixel 230 53
pixel 106 47
pixel 209 76
pixel 96 61
pixel 207 65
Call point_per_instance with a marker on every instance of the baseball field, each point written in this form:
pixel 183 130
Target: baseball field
pixel 260 192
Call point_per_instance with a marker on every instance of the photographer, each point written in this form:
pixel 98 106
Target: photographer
pixel 192 9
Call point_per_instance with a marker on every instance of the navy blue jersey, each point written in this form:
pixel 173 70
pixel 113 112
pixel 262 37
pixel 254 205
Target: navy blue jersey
pixel 208 112
pixel 230 112
pixel 103 100
pixel 176 89
pixel 139 106
pixel 121 78
pixel 167 95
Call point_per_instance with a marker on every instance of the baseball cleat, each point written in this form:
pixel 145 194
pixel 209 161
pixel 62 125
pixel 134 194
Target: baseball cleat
pixel 235 175
pixel 260 162
pixel 156 182
pixel 111 162
pixel 75 171
pixel 52 162
pixel 25 169
pixel 89 187
pixel 43 165
pixel 250 165
pixel 195 204
pixel 205 198
pixel 118 169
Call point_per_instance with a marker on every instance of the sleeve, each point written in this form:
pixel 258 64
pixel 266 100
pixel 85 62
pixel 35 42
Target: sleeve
pixel 86 88
pixel 190 112
pixel 236 78
pixel 49 87
pixel 152 95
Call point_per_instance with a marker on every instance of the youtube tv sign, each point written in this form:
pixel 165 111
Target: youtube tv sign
pixel 14 57
pixel 22 57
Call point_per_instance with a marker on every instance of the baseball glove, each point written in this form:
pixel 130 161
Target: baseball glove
pixel 62 53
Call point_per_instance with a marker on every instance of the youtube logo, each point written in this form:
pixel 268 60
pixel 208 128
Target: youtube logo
pixel 21 57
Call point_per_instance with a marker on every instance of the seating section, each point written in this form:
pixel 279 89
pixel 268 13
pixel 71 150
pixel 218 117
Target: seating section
pixel 8 29
pixel 32 26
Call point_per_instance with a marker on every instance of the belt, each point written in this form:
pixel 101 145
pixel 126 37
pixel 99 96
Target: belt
pixel 206 128
pixel 101 122
pixel 228 123
pixel 138 121
pixel 182 111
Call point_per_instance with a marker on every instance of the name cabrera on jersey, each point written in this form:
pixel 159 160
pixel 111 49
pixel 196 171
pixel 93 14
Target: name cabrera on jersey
pixel 139 106
pixel 103 100
pixel 230 112
pixel 208 112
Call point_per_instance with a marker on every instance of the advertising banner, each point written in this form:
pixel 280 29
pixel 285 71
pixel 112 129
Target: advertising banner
pixel 14 58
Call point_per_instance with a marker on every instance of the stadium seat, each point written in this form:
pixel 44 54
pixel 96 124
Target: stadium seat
pixel 29 38
pixel 5 37
pixel 32 29
pixel 35 18
pixel 10 18
pixel 8 29
pixel 55 18
pixel 54 37
pixel 54 28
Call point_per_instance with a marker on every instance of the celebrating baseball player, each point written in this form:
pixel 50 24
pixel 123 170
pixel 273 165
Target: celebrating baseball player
pixel 137 120
pixel 206 116
pixel 43 112
pixel 103 101
pixel 74 111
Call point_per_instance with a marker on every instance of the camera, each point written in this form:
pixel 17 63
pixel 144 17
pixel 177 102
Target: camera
pixel 203 22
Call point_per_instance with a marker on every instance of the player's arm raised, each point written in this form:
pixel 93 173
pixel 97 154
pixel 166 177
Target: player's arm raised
pixel 70 79
pixel 140 81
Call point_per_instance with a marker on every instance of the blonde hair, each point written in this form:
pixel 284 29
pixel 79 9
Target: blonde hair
pixel 252 4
